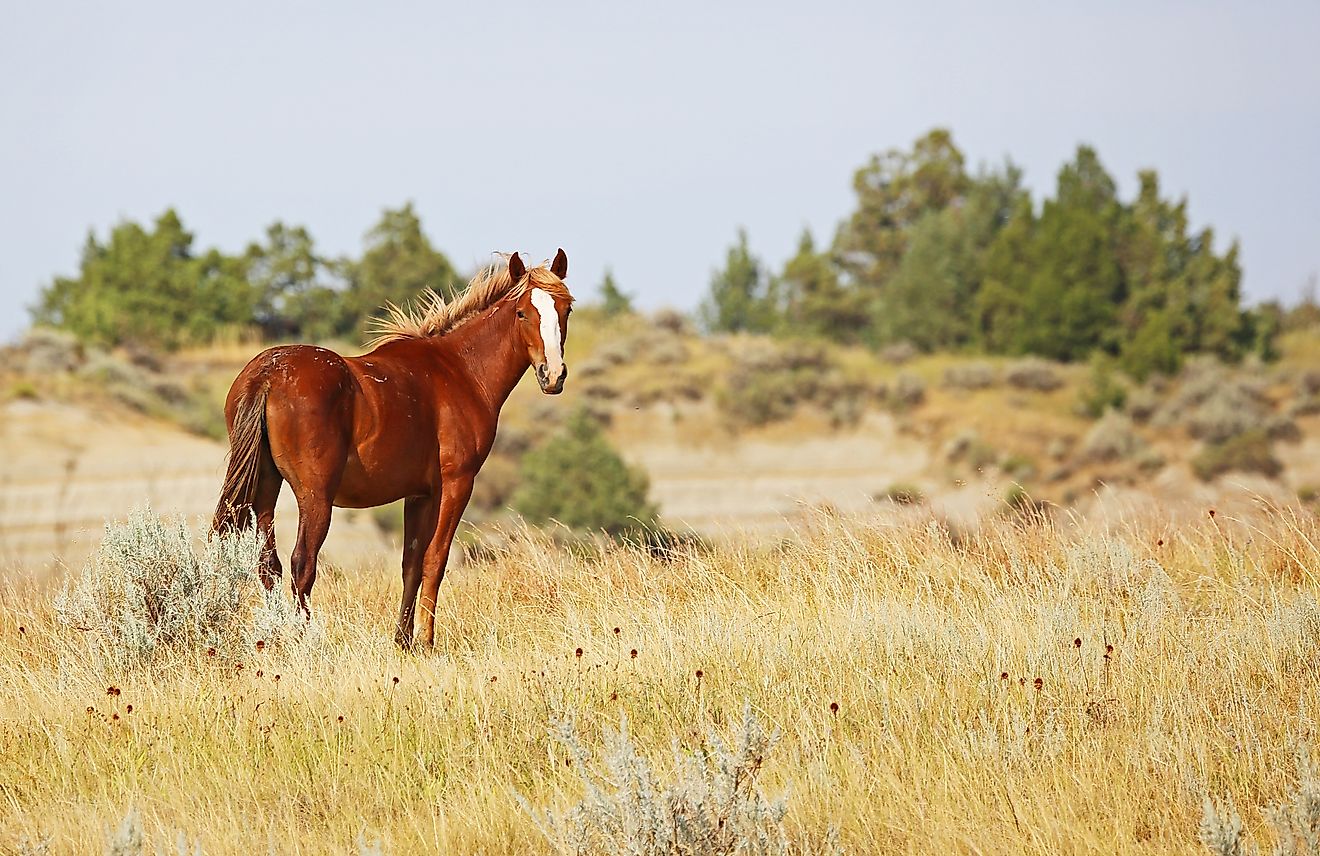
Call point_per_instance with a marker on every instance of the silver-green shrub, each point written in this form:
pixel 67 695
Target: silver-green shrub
pixel 969 376
pixel 1112 438
pixel 126 839
pixel 150 591
pixel 1221 829
pixel 713 805
pixel 1033 373
pixel 1296 823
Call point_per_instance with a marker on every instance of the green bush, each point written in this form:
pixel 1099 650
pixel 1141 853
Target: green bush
pixel 1249 452
pixel 902 493
pixel 1104 390
pixel 579 480
pixel 1018 467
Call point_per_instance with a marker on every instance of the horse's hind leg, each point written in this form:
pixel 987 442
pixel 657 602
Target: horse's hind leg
pixel 314 509
pixel 269 482
pixel 314 486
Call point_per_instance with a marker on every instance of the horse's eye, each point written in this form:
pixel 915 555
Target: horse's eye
pixel 522 314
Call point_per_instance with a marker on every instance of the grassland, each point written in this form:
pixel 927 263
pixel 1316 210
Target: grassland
pixel 980 707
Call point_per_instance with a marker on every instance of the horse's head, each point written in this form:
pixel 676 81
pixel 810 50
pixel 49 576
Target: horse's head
pixel 543 308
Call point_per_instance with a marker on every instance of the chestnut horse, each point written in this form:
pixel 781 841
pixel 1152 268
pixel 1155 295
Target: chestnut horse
pixel 414 419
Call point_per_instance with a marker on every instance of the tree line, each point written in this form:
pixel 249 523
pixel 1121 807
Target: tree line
pixel 150 286
pixel 933 254
pixel 947 259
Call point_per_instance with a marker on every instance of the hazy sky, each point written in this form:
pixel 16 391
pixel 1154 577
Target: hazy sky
pixel 638 136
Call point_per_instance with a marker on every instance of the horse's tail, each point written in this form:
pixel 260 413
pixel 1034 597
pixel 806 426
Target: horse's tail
pixel 249 448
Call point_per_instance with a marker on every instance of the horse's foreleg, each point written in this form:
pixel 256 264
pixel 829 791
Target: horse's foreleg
pixel 454 496
pixel 420 515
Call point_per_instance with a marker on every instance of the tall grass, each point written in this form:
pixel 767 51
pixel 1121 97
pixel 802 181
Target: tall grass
pixel 1029 687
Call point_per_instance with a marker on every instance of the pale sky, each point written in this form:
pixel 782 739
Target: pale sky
pixel 636 136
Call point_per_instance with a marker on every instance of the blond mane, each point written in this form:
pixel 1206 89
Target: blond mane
pixel 431 315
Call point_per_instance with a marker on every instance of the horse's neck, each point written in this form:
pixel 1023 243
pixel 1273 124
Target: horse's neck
pixel 492 353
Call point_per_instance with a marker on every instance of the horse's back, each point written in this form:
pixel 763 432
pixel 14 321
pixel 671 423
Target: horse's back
pixel 292 376
pixel 306 392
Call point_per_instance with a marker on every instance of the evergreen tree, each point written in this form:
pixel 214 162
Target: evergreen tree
pixel 399 262
pixel 578 479
pixel 148 287
pixel 931 298
pixel 999 311
pixel 291 284
pixel 742 298
pixel 613 301
pixel 1071 299
pixel 815 301
pixel 894 191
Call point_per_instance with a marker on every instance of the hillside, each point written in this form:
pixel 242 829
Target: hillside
pixel 739 434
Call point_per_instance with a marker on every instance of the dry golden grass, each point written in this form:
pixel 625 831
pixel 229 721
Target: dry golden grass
pixel 977 711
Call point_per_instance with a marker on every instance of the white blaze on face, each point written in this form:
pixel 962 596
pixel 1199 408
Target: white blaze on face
pixel 554 356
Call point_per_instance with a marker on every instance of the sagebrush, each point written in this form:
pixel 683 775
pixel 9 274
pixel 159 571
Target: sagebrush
pixel 154 589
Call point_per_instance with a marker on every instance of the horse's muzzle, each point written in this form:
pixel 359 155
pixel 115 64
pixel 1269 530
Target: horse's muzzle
pixel 548 386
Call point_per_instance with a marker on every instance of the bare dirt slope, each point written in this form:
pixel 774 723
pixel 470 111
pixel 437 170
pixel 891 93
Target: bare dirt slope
pixel 66 469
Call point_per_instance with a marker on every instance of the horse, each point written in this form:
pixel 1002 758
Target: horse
pixel 413 419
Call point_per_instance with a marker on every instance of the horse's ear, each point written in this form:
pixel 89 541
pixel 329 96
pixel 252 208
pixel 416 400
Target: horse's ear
pixel 517 270
pixel 559 267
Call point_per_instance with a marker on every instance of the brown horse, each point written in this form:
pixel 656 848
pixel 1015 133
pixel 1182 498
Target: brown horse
pixel 413 419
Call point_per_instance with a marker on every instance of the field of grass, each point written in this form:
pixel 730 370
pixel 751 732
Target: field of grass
pixel 1033 687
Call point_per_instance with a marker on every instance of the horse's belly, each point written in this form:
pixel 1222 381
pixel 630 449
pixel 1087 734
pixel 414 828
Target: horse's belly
pixel 371 480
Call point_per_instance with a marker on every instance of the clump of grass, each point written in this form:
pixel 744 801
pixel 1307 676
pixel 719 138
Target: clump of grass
pixel 969 447
pixel 24 390
pixel 1221 829
pixel 1143 402
pixel 126 839
pixel 1018 502
pixel 388 518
